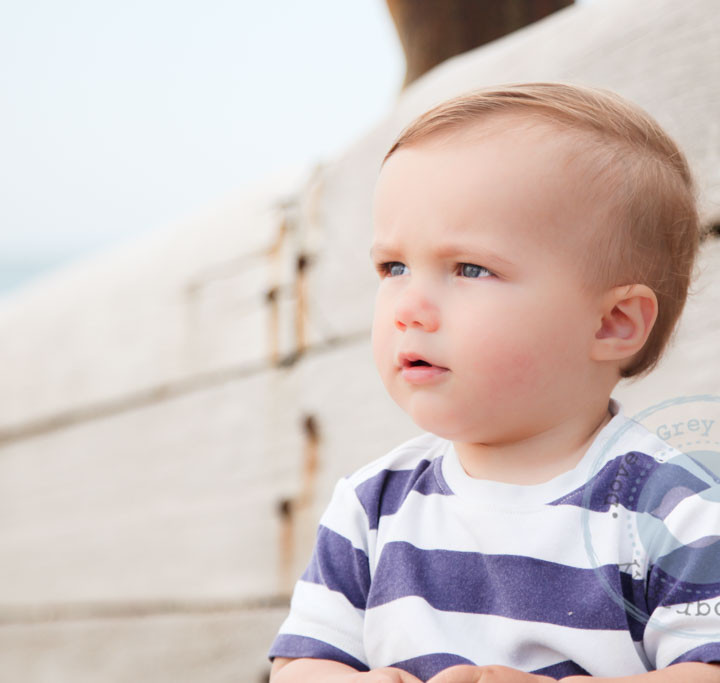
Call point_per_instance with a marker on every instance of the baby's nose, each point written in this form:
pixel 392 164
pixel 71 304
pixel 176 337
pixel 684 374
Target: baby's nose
pixel 416 309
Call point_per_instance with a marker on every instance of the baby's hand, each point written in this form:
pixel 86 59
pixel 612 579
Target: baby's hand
pixel 487 674
pixel 386 675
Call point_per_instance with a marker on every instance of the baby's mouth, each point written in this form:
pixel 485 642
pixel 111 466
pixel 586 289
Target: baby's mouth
pixel 419 363
pixel 422 372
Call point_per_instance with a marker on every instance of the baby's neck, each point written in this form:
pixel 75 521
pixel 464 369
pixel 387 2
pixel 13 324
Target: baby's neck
pixel 537 458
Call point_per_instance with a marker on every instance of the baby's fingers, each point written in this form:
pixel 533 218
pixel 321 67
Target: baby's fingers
pixel 486 674
pixel 460 674
pixel 386 675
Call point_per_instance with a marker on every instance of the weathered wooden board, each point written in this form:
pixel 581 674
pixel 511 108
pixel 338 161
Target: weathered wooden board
pixel 228 647
pixel 175 305
pixel 180 499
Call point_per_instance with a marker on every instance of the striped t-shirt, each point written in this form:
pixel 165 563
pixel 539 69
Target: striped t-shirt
pixel 609 569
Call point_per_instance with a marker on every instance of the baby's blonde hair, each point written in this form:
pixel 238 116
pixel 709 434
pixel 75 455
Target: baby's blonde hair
pixel 654 230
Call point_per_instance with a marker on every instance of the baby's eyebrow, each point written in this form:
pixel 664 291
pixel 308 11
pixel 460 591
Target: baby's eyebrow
pixel 482 253
pixel 378 250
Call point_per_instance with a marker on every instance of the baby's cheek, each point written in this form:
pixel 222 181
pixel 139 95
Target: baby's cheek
pixel 510 370
pixel 379 337
pixel 519 369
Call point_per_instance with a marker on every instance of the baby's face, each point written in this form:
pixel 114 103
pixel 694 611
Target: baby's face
pixel 475 241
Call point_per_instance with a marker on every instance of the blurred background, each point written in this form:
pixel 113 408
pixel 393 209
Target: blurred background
pixel 121 118
pixel 186 296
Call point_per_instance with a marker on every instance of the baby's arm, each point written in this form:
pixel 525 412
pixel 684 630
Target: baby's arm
pixel 327 671
pixel 684 672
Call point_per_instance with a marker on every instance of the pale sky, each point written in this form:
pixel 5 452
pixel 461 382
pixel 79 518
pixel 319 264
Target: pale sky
pixel 123 117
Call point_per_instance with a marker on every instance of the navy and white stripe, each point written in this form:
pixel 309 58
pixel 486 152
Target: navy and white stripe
pixel 418 566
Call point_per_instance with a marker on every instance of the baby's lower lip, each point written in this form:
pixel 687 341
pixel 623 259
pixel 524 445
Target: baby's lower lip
pixel 422 374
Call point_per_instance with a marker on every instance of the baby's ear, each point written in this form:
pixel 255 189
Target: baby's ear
pixel 628 314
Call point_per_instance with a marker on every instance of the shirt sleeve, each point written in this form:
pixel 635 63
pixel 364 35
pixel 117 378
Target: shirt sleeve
pixel 683 581
pixel 327 609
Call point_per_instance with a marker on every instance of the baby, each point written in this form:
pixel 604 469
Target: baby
pixel 534 245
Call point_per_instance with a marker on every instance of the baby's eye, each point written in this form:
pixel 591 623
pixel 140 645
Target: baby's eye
pixel 391 268
pixel 473 271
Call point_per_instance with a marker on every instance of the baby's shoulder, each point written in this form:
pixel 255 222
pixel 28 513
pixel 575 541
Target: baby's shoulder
pixel 644 473
pixel 411 455
pixel 413 465
pixel 382 486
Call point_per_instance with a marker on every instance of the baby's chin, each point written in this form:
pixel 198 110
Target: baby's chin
pixel 454 426
pixel 446 425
